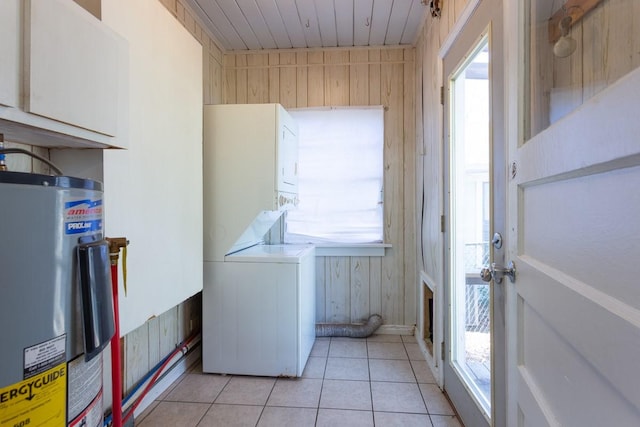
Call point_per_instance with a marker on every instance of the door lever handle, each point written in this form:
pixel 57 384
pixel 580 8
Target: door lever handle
pixel 496 273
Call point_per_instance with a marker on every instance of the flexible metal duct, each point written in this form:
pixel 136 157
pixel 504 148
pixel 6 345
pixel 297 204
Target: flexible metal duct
pixel 351 330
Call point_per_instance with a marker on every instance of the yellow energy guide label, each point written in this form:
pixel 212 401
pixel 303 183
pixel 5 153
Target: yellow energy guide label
pixel 37 401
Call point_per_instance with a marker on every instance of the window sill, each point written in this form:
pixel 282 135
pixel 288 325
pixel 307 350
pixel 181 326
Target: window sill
pixel 346 249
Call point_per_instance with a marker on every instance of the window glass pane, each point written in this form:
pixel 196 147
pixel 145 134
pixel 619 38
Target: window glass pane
pixel 600 44
pixel 340 176
pixel 470 220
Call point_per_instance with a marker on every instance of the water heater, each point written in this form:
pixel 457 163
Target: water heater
pixel 56 307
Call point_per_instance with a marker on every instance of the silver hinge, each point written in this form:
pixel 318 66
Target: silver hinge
pixel 442 224
pixel 442 350
pixel 441 95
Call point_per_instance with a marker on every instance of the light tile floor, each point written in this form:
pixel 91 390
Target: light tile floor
pixel 380 381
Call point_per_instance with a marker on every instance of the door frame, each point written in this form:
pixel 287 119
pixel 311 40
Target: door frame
pixel 491 15
pixel 514 72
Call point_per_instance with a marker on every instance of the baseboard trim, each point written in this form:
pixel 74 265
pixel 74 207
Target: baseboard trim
pixel 396 330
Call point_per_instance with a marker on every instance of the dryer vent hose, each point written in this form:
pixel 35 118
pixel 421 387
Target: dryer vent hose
pixel 351 330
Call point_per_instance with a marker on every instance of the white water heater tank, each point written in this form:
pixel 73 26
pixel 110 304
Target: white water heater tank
pixel 56 306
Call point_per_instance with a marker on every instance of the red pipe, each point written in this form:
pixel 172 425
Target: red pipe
pixel 116 372
pixel 184 347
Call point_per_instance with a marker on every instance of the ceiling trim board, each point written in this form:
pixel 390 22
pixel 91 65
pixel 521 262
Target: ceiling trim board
pixel 321 49
pixel 324 64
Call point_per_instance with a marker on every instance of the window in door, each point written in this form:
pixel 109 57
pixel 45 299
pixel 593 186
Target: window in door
pixel 576 49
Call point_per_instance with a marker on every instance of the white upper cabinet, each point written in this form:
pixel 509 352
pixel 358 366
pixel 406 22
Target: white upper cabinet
pixel 73 61
pixel 67 76
pixel 9 51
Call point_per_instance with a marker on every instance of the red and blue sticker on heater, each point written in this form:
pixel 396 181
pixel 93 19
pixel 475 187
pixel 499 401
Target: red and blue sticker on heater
pixel 82 216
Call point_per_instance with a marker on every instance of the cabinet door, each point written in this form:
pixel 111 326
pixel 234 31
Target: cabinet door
pixel 72 62
pixel 9 52
pixel 154 188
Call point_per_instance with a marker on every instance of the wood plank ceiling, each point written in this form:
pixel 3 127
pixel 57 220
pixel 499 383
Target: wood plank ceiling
pixel 285 24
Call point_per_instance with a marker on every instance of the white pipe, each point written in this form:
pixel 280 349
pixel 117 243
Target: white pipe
pixel 167 367
pixel 349 329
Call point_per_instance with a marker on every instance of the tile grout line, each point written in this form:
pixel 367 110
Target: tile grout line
pixel 373 413
pixel 324 373
pixel 208 409
pixel 424 401
pixel 264 407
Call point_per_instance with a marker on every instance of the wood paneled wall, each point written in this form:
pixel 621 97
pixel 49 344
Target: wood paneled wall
pixel 430 162
pixel 23 163
pixel 430 179
pixel 349 289
pixel 147 345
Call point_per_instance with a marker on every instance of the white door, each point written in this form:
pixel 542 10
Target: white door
pixel 573 313
pixel 475 211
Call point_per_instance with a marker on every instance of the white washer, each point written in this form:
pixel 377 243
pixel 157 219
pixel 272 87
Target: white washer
pixel 259 311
